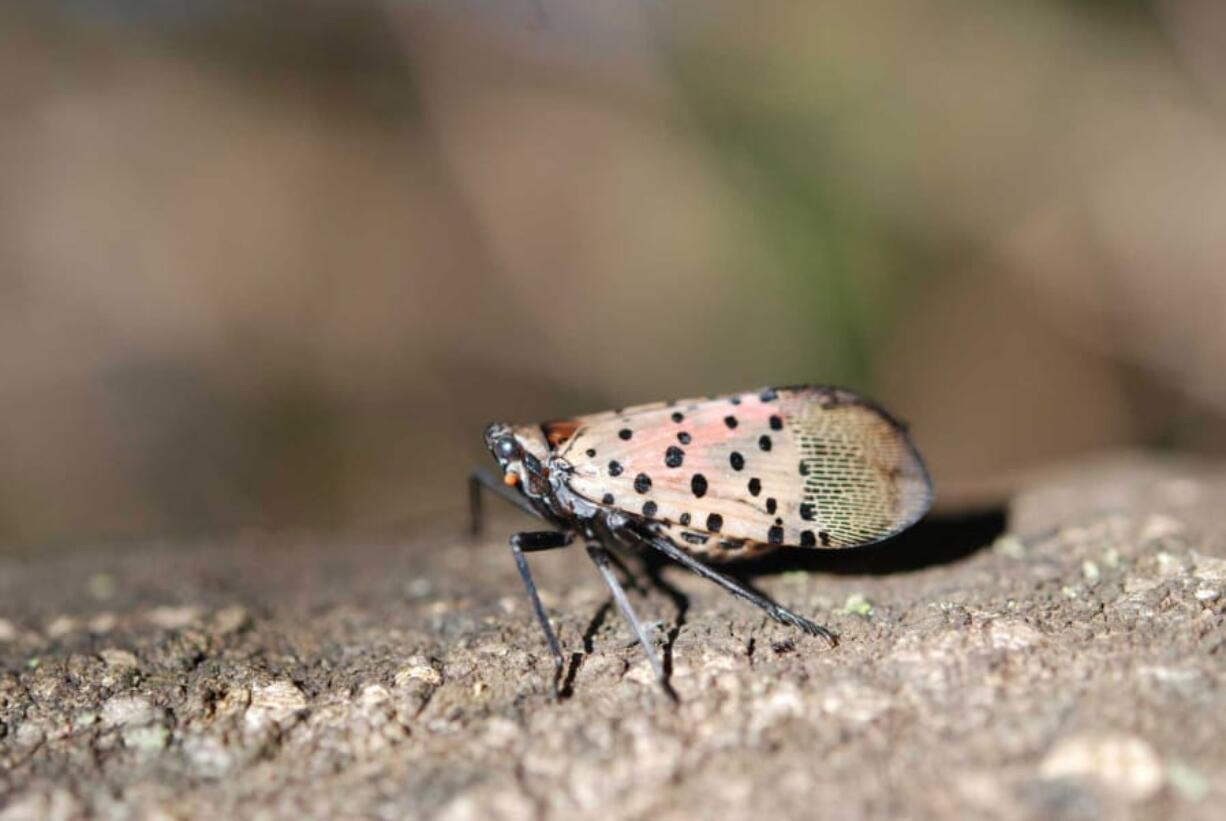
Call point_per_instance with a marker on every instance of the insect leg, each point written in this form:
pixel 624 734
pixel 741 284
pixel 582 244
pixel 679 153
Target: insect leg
pixel 779 614
pixel 627 576
pixel 531 542
pixel 535 541
pixel 482 479
pixel 600 557
pixel 609 539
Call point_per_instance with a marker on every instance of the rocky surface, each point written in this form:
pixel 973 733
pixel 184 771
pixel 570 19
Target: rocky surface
pixel 1067 661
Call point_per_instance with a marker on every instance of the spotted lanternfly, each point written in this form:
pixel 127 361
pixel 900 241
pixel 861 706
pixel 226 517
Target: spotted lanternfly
pixel 709 480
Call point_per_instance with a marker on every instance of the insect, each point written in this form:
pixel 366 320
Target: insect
pixel 705 481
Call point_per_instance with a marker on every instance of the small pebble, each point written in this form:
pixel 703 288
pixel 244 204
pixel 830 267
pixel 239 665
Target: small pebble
pixel 1125 765
pixel 276 702
pixel 121 711
pixel 121 659
pixel 173 618
pixel 148 738
pixel 1009 545
pixel 1011 634
pixel 1210 568
pixel 420 669
pixel 231 619
pixel 857 604
pixel 61 626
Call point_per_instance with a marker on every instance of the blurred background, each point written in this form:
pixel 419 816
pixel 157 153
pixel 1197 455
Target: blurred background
pixel 275 264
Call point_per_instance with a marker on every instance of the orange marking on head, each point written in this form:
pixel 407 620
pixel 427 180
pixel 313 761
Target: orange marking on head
pixel 558 431
pixel 510 479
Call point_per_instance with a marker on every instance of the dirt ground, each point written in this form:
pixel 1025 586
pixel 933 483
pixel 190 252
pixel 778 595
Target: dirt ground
pixel 1064 658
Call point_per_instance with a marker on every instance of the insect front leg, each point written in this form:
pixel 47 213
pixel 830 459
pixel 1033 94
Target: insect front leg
pixel 530 542
pixel 779 614
pixel 600 557
pixel 481 479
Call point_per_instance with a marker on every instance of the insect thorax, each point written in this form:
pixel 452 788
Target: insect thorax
pixel 566 502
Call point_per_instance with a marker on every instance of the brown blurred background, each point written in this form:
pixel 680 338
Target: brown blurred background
pixel 275 264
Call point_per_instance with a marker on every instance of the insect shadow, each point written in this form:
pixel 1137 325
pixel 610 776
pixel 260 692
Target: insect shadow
pixel 567 687
pixel 650 566
pixel 933 541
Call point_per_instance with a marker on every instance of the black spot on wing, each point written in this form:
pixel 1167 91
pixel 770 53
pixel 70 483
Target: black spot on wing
pixel 731 422
pixel 698 485
pixel 642 483
pixel 674 456
pixel 736 460
pixel 650 509
pixel 615 468
pixel 715 522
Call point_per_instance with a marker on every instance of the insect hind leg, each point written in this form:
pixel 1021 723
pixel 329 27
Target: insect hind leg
pixel 600 557
pixel 531 542
pixel 775 611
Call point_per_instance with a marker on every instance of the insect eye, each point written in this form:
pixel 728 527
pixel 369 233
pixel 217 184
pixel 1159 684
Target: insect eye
pixel 507 448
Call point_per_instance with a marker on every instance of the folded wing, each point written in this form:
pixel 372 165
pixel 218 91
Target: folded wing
pixel 727 476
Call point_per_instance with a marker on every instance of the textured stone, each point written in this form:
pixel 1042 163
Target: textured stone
pixel 1070 666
